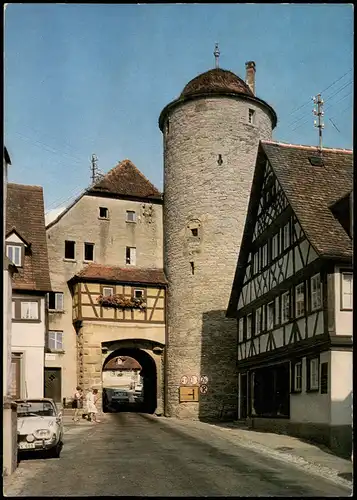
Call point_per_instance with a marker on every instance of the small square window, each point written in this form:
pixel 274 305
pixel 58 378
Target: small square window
pixel 103 213
pixel 88 251
pixel 55 341
pixel 130 216
pixel 194 231
pixel 251 116
pixel 70 249
pixel 138 294
pixel 108 291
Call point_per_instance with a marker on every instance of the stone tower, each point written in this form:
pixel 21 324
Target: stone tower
pixel 211 134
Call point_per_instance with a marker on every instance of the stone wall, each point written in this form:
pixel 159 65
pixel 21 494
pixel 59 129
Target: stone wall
pixel 209 155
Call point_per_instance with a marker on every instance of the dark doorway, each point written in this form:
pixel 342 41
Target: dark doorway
pixel 147 402
pixel 271 391
pixel 53 382
pixel 243 396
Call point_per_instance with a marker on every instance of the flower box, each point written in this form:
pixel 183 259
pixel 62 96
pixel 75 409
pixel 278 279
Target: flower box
pixel 121 302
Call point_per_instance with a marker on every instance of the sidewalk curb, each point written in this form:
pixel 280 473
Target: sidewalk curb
pixel 294 458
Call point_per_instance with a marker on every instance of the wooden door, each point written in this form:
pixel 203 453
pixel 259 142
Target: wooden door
pixel 53 382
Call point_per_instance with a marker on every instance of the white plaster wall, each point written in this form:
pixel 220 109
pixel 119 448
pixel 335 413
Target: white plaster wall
pixel 343 319
pixel 310 407
pixel 341 387
pixel 29 339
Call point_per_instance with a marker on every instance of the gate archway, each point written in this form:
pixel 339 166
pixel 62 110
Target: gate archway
pixel 148 373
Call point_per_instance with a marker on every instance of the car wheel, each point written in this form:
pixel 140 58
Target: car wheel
pixel 56 450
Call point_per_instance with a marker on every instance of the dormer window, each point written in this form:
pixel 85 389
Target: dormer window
pixel 15 254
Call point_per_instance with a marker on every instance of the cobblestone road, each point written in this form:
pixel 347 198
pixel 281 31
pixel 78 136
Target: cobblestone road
pixel 132 454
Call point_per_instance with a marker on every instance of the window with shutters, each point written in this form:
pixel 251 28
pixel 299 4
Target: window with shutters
pixel 296 376
pixel 55 301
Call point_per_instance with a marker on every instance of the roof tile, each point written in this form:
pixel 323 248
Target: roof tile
pixel 124 275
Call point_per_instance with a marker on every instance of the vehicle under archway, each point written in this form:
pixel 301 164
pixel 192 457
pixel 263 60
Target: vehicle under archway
pixel 133 385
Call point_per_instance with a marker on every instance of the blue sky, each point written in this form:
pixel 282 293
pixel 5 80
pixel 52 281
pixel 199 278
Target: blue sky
pixel 83 79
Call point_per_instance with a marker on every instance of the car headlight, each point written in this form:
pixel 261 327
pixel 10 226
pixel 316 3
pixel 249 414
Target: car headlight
pixel 42 434
pixel 30 438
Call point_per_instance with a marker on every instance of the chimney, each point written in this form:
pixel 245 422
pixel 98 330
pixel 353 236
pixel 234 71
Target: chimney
pixel 250 75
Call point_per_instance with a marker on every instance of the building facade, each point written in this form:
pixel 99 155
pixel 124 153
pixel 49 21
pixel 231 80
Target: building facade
pixel 292 295
pixel 26 248
pixel 210 137
pixel 107 243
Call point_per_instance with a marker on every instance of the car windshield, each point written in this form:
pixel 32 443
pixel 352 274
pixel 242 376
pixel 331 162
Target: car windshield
pixel 35 408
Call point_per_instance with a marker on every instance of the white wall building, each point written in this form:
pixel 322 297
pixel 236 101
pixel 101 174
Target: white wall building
pixel 26 248
pixel 293 293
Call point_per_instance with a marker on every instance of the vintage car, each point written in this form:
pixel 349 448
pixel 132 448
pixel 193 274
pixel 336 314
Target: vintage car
pixel 39 426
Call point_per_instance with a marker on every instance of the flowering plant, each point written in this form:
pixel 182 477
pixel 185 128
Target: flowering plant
pixel 121 302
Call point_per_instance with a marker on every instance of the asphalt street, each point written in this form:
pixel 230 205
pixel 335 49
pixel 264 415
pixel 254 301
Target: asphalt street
pixel 131 454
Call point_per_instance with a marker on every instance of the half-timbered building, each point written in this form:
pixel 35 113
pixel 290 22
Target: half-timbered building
pixel 292 294
pixel 108 299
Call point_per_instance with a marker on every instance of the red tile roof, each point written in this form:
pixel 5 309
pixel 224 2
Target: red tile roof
pixel 100 272
pixel 311 190
pixel 25 215
pixel 126 180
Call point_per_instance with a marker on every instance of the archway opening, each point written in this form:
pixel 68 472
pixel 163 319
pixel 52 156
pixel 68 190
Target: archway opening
pixel 129 381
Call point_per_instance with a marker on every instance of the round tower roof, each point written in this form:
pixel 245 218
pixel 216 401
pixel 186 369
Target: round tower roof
pixel 216 80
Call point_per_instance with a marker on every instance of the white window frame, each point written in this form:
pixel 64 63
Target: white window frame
pixel 131 260
pixel 32 312
pixel 16 254
pixel 251 116
pixel 300 300
pixel 286 236
pixel 59 298
pixel 346 290
pixel 275 246
pixel 285 307
pixel 258 321
pixel 249 325
pixel 240 329
pixel 298 376
pixel 108 288
pixel 57 340
pixel 270 315
pixel 141 290
pixel 316 299
pixel 132 217
pixel 314 374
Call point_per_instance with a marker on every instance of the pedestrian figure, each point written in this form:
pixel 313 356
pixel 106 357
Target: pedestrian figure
pixel 77 403
pixel 91 399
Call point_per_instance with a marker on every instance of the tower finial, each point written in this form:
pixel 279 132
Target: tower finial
pixel 216 54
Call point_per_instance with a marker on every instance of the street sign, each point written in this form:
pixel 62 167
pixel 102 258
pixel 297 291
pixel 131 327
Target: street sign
pixel 194 380
pixel 189 394
pixel 203 389
pixel 204 379
pixel 184 380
